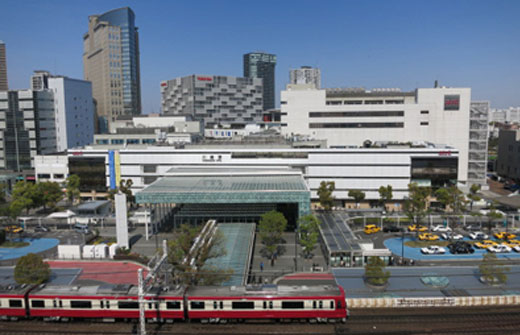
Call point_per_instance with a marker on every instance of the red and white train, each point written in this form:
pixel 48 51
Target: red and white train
pixel 208 304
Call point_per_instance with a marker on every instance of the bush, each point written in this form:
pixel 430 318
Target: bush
pixel 375 273
pixel 31 269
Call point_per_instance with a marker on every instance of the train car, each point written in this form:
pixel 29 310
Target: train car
pixel 108 302
pixel 219 304
pixel 12 301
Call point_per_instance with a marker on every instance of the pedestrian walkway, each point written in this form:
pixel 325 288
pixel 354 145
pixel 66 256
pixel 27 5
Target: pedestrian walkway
pixel 285 261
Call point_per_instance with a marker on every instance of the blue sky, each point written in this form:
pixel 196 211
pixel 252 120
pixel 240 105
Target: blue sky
pixel 371 44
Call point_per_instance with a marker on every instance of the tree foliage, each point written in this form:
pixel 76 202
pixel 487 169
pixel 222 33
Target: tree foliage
pixel 72 186
pixel 453 200
pixel 31 269
pixel 472 195
pixel 198 271
pixel 385 194
pixel 357 195
pixel 492 269
pixel 125 186
pixel 492 215
pixel 308 228
pixel 50 193
pixel 325 194
pixel 270 229
pixel 24 197
pixel 416 206
pixel 375 273
pixel 3 190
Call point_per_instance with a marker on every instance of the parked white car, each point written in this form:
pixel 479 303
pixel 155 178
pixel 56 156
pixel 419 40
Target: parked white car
pixel 433 250
pixel 452 236
pixel 516 248
pixel 440 228
pixel 499 248
pixel 478 235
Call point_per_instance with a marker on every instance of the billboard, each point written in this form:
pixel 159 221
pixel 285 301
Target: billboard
pixel 451 102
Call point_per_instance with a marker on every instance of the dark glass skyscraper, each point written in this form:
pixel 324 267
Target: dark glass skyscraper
pixel 111 63
pixel 262 65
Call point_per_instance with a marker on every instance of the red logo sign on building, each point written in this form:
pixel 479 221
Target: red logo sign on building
pixel 204 78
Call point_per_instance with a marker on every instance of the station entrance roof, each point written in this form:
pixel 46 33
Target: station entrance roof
pixel 229 186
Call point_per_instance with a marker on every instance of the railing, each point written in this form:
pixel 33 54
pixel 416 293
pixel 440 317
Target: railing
pixel 492 300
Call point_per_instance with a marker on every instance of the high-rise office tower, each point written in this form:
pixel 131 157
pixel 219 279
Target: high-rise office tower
pixel 306 75
pixel 262 65
pixel 27 128
pixel 3 68
pixel 111 63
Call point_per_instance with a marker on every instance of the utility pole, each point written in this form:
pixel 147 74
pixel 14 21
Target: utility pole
pixel 142 285
pixel 140 294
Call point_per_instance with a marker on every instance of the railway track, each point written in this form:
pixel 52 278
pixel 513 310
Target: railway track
pixel 434 321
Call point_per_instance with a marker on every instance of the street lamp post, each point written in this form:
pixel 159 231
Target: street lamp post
pixel 296 250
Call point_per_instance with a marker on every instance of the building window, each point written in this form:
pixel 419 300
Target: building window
pixel 149 179
pixel 150 168
pixel 356 114
pixel 43 176
pixel 424 123
pixel 425 112
pixel 358 125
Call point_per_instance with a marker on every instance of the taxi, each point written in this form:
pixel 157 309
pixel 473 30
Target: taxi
pixel 504 235
pixel 415 227
pixel 428 237
pixel 485 244
pixel 512 243
pixel 371 229
pixel 14 229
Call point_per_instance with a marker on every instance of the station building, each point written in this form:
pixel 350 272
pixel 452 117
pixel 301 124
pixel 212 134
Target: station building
pixel 352 116
pixel 364 169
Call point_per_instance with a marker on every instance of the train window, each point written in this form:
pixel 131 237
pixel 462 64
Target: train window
pixel 314 304
pixel 54 303
pixel 197 305
pixel 243 305
pixel 270 304
pixel 332 305
pixel 339 304
pixel 214 305
pixel 61 303
pixel 149 305
pixel 292 304
pixel 265 304
pixel 108 304
pixel 128 304
pixel 173 305
pixel 321 304
pixel 102 304
pixel 80 304
pixel 37 303
pixel 221 305
pixel 15 303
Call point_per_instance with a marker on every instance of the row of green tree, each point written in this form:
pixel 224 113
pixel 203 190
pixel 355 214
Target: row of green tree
pixel 491 269
pixel 27 196
pixel 327 199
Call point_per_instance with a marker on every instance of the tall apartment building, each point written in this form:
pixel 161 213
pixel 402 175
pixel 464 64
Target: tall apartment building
pixel 306 75
pixel 27 128
pixel 73 107
pixel 3 68
pixel 111 63
pixel 262 65
pixel 508 158
pixel 346 117
pixel 214 99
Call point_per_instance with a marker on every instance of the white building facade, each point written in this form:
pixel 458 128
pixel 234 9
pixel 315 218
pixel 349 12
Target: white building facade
pixel 74 111
pixel 346 117
pixel 361 169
